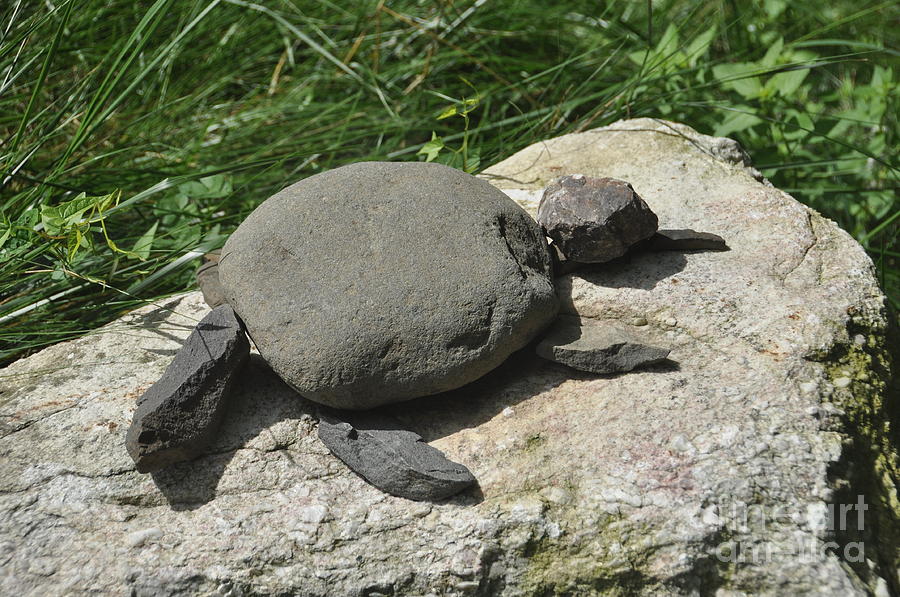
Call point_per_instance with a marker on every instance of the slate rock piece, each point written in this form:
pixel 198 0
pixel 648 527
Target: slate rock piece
pixel 179 415
pixel 393 459
pixel 607 347
pixel 433 278
pixel 594 220
pixel 685 240
pixel 208 280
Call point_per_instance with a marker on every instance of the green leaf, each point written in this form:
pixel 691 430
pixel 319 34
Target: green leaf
pixel 144 243
pixel 772 54
pixel 432 148
pixel 774 8
pixel 106 201
pixel 787 82
pixel 469 104
pixel 639 56
pixel 208 187
pixel 57 218
pixel 74 241
pixel 882 78
pixel 697 48
pixel 737 76
pixel 736 122
pixel 473 161
pixel 668 44
pixel 447 113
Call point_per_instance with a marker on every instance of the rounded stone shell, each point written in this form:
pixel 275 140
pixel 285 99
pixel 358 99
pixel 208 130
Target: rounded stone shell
pixel 379 282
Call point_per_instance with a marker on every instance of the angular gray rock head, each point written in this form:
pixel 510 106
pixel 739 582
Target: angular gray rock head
pixel 594 220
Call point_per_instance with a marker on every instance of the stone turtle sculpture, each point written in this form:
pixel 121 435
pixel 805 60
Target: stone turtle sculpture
pixel 380 282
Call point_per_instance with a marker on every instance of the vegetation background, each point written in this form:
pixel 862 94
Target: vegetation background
pixel 135 136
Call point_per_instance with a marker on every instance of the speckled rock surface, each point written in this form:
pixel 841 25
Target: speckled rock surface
pixel 645 483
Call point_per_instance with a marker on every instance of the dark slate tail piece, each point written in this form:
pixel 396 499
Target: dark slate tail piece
pixel 685 240
pixel 180 414
pixel 393 459
pixel 605 348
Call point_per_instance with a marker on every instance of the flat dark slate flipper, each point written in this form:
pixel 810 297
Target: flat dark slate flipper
pixel 393 459
pixel 685 240
pixel 179 415
pixel 597 348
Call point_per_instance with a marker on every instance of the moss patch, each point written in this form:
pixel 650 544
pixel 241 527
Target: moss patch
pixel 863 370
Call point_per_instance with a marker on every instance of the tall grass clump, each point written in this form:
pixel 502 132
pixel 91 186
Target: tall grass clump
pixel 136 136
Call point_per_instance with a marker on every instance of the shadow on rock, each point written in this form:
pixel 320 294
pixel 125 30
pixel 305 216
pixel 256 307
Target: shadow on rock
pixel 259 401
pixel 522 376
pixel 641 270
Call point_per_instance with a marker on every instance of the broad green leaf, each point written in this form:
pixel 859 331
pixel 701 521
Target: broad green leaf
pixel 447 113
pixel 749 87
pixel 106 201
pixel 143 245
pixel 788 82
pixel 697 48
pixel 805 121
pixel 432 148
pixel 74 241
pixel 772 54
pixel 774 8
pixel 208 187
pixel 882 78
pixel 736 122
pixel 639 57
pixel 669 41
pixel 737 76
pixel 57 218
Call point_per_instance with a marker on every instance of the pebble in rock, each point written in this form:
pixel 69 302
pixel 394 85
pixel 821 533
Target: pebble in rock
pixel 180 414
pixel 432 278
pixel 685 240
pixel 603 348
pixel 594 220
pixel 393 459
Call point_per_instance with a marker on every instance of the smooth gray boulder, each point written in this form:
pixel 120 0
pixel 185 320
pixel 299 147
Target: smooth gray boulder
pixel 390 457
pixel 715 478
pixel 180 414
pixel 594 219
pixel 379 282
pixel 598 347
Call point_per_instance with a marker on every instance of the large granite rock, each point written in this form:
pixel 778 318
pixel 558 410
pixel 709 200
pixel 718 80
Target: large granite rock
pixel 644 483
pixel 379 282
